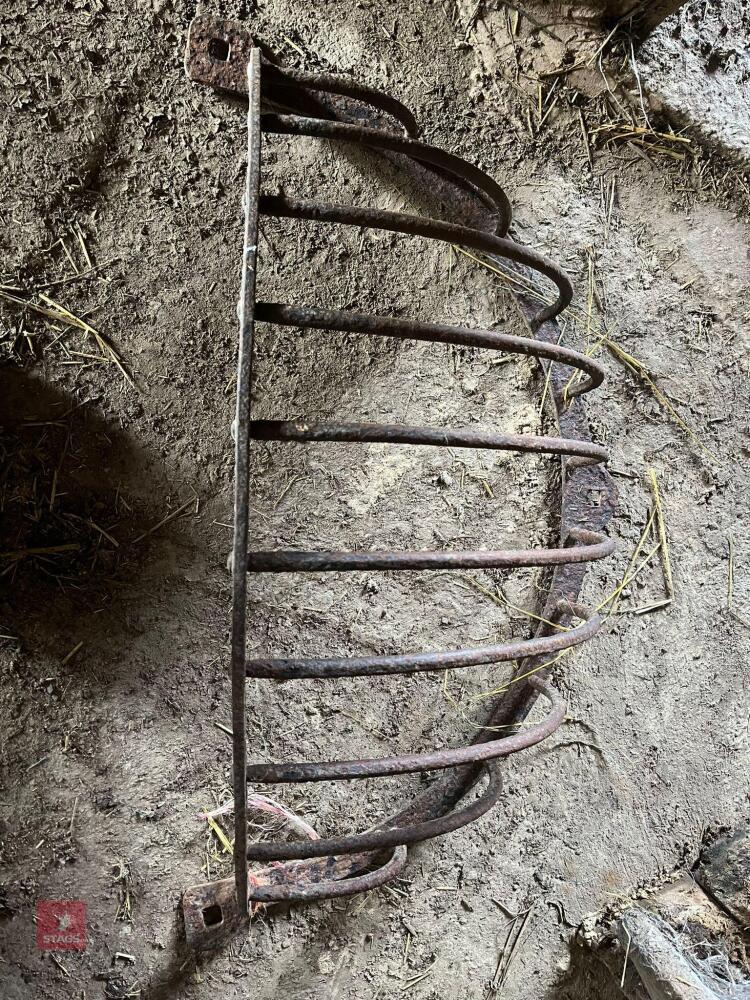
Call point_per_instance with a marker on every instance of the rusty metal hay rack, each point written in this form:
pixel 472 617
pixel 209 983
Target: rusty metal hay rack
pixel 286 102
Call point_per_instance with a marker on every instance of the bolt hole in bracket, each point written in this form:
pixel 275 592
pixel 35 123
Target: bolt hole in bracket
pixel 222 54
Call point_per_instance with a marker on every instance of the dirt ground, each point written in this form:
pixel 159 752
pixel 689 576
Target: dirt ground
pixel 121 203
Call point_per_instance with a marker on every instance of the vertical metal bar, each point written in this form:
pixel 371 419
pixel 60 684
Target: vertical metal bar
pixel 245 311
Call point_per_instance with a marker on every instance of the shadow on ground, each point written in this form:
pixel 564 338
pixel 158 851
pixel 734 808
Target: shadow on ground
pixel 78 499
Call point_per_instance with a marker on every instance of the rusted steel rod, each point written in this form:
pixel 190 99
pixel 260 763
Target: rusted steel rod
pixel 370 666
pixel 411 225
pixel 245 314
pixel 222 55
pixel 300 430
pixel 414 762
pixel 327 562
pixel 312 317
pixel 380 839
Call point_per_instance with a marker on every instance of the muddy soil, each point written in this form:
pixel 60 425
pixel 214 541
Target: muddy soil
pixel 121 203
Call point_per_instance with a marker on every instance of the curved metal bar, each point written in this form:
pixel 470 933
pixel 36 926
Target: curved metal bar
pixel 375 840
pixel 280 561
pixel 295 83
pixel 306 893
pixel 313 317
pixel 486 188
pixel 301 430
pixel 436 760
pixel 407 663
pixel 415 225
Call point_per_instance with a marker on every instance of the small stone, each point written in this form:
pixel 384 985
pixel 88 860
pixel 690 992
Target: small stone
pixel 326 965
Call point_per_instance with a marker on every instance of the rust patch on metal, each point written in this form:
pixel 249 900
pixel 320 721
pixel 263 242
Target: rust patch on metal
pixel 218 54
